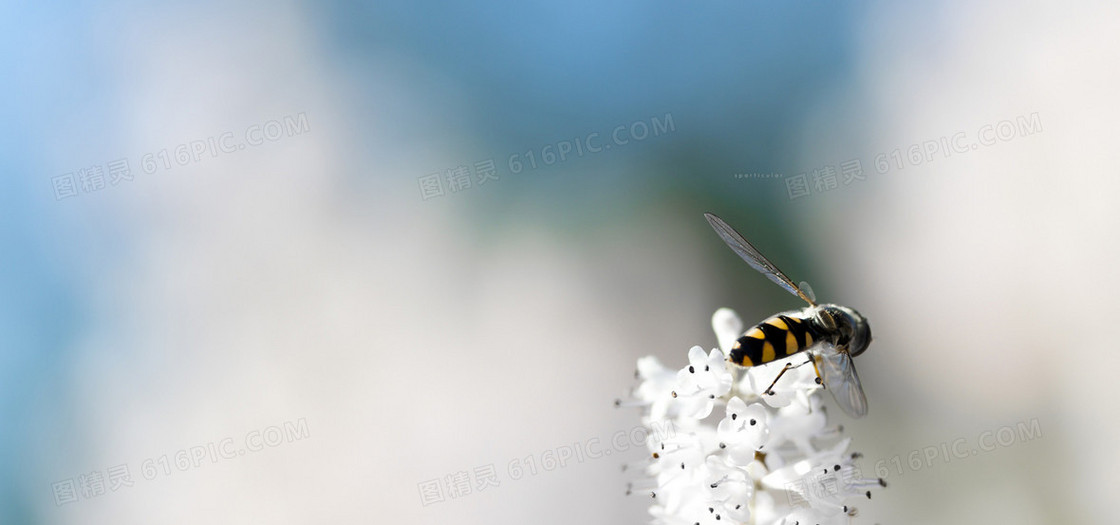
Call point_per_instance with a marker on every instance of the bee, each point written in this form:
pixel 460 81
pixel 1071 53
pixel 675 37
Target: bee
pixel 829 333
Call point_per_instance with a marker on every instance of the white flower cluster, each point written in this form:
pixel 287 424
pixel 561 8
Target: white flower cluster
pixel 771 459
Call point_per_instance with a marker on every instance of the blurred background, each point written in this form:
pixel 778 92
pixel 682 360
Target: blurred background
pixel 297 262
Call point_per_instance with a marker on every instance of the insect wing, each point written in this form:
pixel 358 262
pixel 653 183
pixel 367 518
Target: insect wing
pixel 753 257
pixel 808 291
pixel 841 378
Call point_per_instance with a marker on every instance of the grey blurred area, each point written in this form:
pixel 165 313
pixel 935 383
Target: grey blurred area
pixel 338 262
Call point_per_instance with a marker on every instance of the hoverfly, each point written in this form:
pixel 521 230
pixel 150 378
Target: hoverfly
pixel 831 334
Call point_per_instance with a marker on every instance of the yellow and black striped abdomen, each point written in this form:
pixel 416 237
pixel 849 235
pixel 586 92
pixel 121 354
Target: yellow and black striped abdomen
pixel 777 337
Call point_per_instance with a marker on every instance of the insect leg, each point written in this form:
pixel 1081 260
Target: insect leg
pixel 770 389
pixel 819 380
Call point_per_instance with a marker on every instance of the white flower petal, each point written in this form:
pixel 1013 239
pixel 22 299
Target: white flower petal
pixel 697 356
pixel 649 366
pixel 728 327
